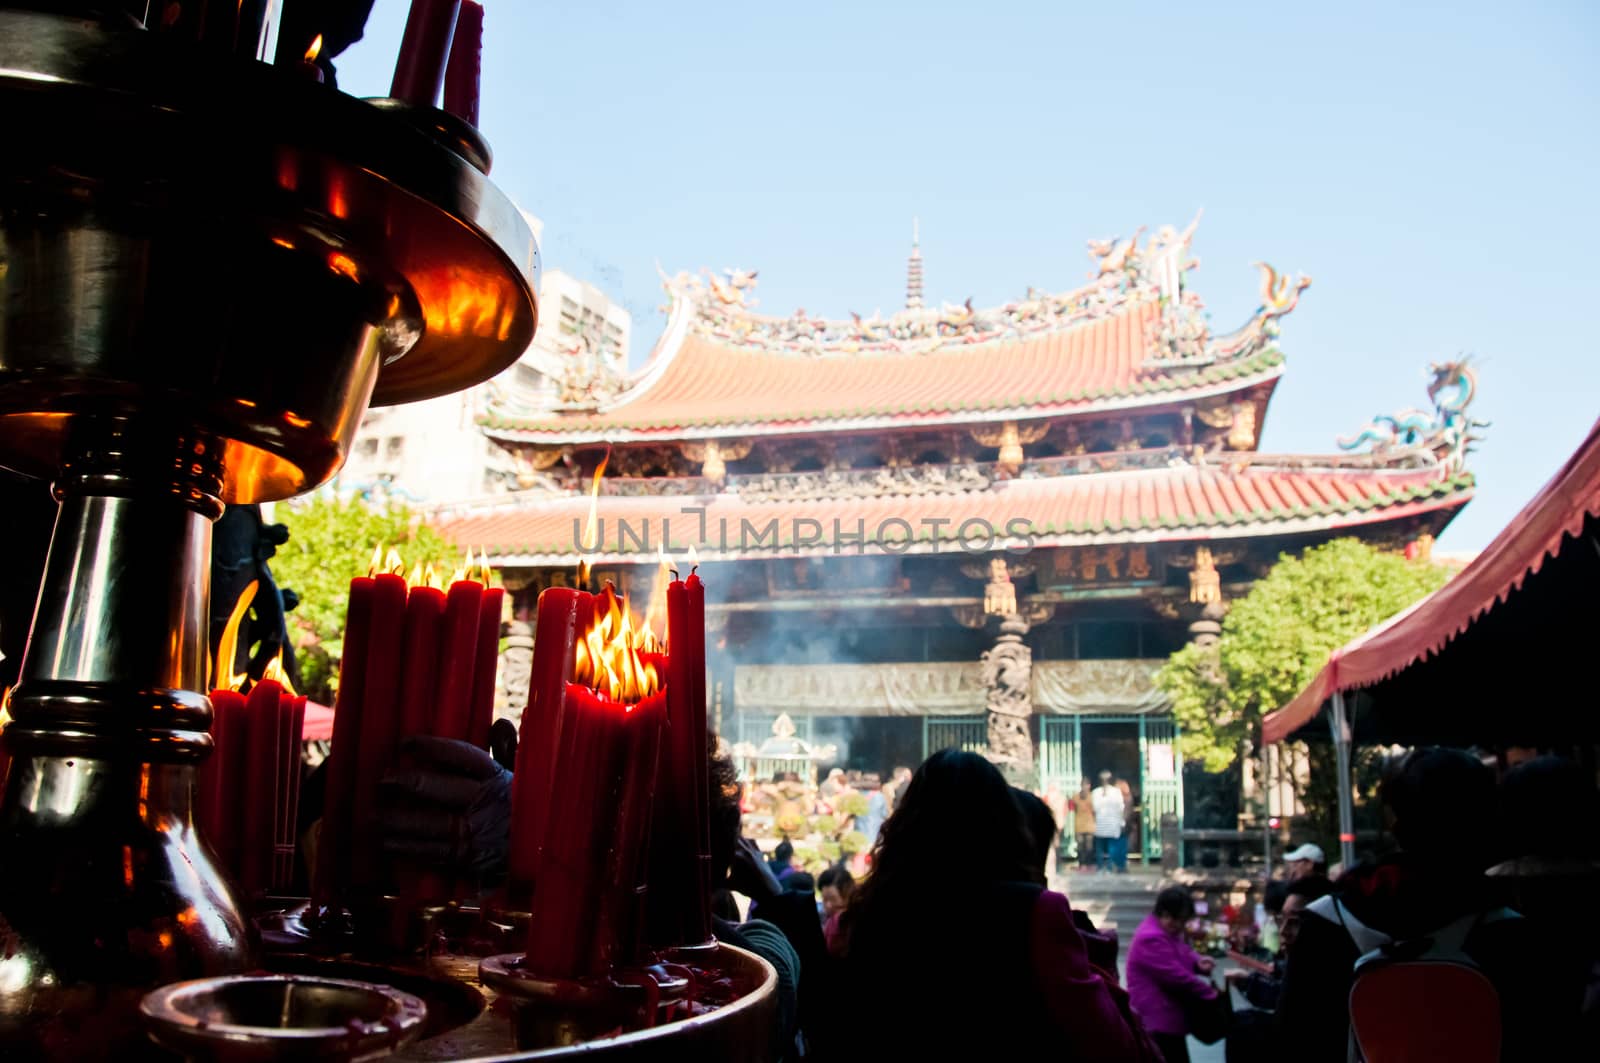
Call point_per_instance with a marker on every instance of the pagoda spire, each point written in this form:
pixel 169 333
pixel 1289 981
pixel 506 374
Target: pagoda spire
pixel 914 270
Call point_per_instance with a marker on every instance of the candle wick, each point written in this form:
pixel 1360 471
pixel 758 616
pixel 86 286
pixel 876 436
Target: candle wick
pixel 674 572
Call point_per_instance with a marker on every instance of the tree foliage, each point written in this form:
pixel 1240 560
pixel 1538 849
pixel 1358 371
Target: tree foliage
pixel 1277 637
pixel 330 543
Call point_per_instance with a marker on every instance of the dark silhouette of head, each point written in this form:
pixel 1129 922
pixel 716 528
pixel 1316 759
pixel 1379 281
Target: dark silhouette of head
pixel 1174 908
pixel 956 825
pixel 1041 825
pixel 723 792
pixel 1548 808
pixel 783 853
pixel 800 882
pixel 1438 801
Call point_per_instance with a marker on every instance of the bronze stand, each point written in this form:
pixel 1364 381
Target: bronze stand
pixel 208 268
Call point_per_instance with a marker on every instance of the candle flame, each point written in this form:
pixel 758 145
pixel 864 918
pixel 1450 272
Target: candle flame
pixel 485 574
pixel 591 540
pixel 275 672
pixel 223 676
pixel 315 49
pixel 393 563
pixel 608 657
pixel 375 566
pixel 694 559
pixel 655 614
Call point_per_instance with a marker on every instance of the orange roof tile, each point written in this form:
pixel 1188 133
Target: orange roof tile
pixel 1133 506
pixel 1133 337
pixel 711 388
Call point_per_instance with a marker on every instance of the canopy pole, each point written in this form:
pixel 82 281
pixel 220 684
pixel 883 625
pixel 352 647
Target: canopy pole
pixel 1266 811
pixel 1340 723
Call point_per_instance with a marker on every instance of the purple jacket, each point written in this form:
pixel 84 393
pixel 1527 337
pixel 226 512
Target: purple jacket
pixel 1162 976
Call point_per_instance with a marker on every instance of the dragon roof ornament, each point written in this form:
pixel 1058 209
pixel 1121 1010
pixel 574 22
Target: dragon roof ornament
pixel 1447 433
pixel 1125 274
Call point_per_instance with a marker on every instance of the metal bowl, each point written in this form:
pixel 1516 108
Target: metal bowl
pixel 229 248
pixel 248 1018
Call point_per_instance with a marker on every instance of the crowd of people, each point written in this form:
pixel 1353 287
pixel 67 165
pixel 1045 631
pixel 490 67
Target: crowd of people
pixel 953 943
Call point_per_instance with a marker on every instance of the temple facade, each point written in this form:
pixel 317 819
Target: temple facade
pixel 952 526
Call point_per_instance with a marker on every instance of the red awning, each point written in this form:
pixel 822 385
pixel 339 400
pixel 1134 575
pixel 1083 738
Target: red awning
pixel 1536 533
pixel 318 726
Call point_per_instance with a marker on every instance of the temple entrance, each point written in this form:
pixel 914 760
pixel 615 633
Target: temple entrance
pixel 1139 749
pixel 1114 746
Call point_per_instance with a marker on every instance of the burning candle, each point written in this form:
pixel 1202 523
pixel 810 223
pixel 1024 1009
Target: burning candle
pixel 587 870
pixel 257 800
pixel 464 71
pixel 222 777
pixel 291 728
pixel 308 65
pixel 458 654
pixel 695 593
pixel 424 614
pixel 333 845
pixel 380 717
pixel 419 71
pixel 677 906
pixel 486 665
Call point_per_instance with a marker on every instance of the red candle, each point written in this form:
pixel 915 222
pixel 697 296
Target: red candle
pixel 259 795
pixel 696 667
pixel 292 714
pixel 419 71
pixel 677 905
pixel 555 636
pixel 486 667
pixel 464 71
pixel 221 782
pixel 458 654
pixel 380 722
pixel 333 845
pixel 570 880
pixel 622 916
pixel 424 614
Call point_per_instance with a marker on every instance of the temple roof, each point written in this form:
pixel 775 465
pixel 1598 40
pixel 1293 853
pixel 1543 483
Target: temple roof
pixel 1135 336
pixel 1249 496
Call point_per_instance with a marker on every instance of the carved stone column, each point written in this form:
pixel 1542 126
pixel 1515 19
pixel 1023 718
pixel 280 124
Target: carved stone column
pixel 516 672
pixel 1008 677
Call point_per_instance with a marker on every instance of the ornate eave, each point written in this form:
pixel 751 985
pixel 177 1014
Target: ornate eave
pixel 1135 337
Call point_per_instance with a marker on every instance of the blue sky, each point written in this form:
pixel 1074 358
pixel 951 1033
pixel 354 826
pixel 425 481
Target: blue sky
pixel 1433 168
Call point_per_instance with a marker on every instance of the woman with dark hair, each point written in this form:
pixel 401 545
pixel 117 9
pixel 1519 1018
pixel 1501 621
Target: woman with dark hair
pixel 1167 978
pixel 1000 969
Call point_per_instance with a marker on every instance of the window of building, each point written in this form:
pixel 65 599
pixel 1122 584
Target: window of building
pixel 1107 640
pixel 393 447
pixel 367 448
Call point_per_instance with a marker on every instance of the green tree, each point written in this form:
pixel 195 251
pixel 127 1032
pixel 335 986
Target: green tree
pixel 330 543
pixel 1277 637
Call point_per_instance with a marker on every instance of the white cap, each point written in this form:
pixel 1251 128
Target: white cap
pixel 1306 852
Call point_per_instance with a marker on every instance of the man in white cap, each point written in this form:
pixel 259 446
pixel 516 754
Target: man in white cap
pixel 1306 860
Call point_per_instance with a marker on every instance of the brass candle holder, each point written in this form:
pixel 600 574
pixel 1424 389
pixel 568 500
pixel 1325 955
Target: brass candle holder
pixel 209 267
